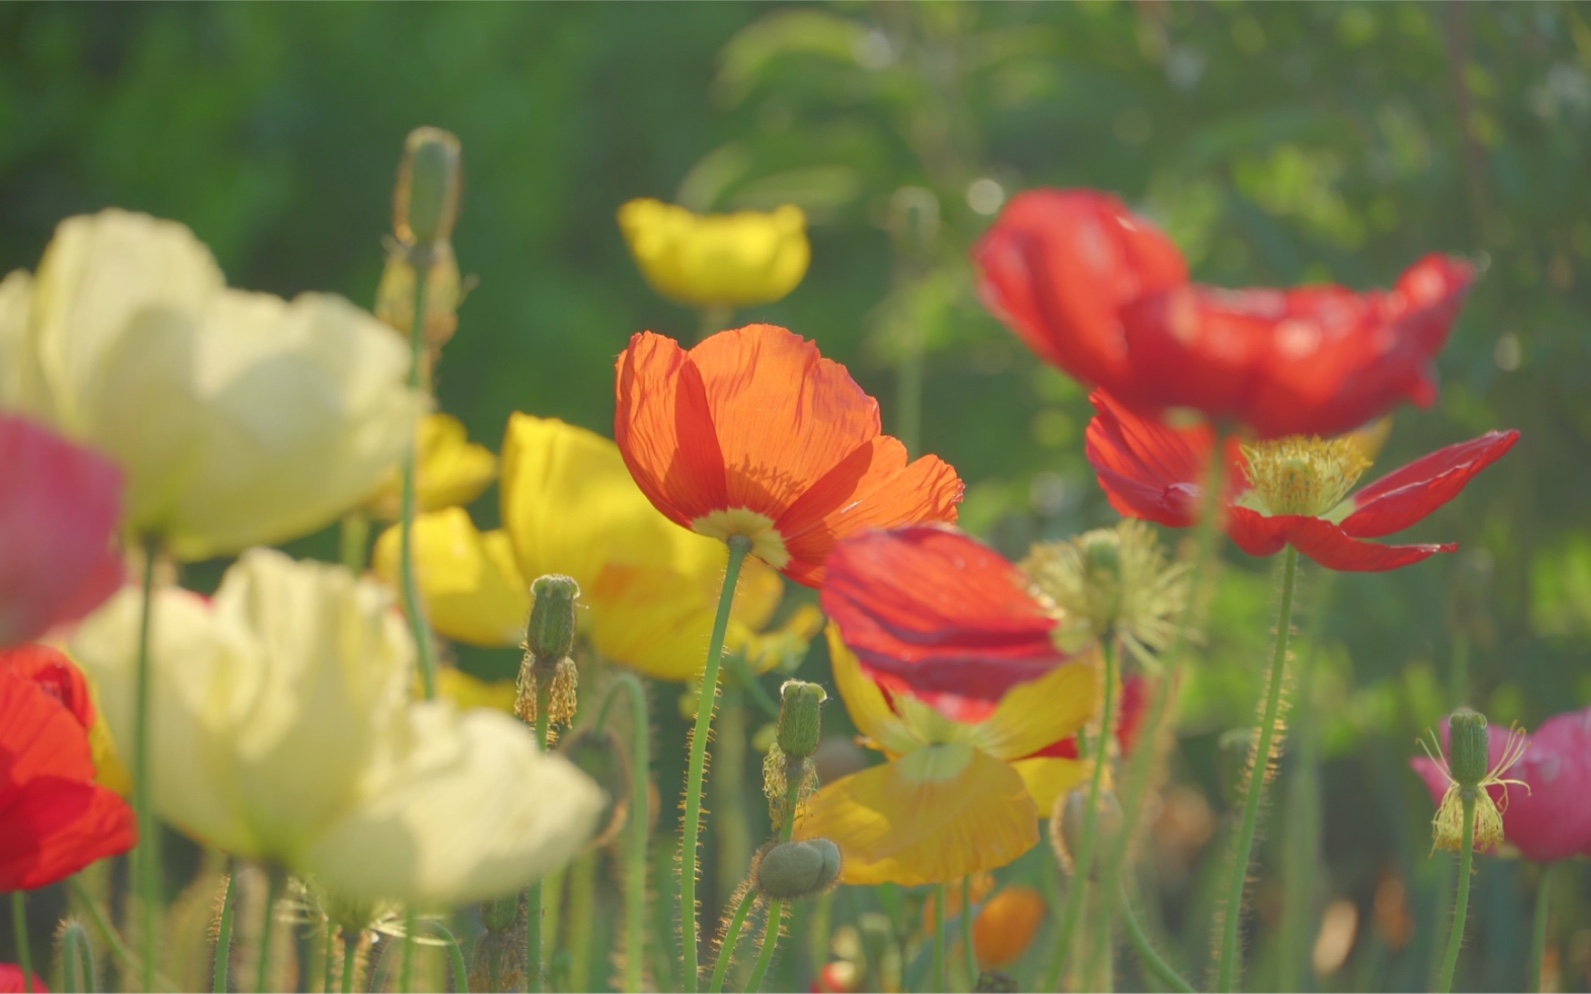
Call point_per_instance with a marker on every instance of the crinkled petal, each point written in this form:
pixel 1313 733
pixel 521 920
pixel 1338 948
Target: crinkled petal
pixel 1407 495
pixel 1321 541
pixel 1147 469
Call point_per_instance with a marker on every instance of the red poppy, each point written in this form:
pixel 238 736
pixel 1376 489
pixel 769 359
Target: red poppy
pixel 54 820
pixel 59 508
pixel 1550 818
pixel 1290 492
pixel 934 610
pixel 1105 297
pixel 51 670
pixel 11 981
pixel 753 433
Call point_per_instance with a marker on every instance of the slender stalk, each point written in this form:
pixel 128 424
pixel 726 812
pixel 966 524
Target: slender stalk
pixel 406 966
pixel 1259 762
pixel 534 894
pixel 461 971
pixel 732 826
pixel 1538 929
pixel 1135 784
pixel 353 537
pixel 275 879
pixel 770 941
pixel 413 605
pixel 969 949
pixel 726 951
pixel 635 863
pixel 1145 949
pixel 329 961
pixel 1466 856
pixel 582 910
pixel 223 939
pixel 350 960
pixel 128 959
pixel 1072 912
pixel 77 959
pixel 692 826
pixel 941 971
pixel 146 858
pixel 19 925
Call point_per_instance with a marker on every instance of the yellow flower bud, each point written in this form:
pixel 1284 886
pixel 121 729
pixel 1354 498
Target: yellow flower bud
pixel 717 260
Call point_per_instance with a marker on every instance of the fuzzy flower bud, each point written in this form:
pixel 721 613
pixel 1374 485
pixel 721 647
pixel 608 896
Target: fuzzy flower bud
pixel 1468 750
pixel 1469 774
pixel 800 718
pixel 425 202
pixel 547 671
pixel 793 871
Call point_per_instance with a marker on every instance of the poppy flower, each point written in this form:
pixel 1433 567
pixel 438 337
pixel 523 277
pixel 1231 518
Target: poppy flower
pixel 288 734
pixel 717 260
pixel 238 418
pixel 1105 297
pixel 60 506
pixel 955 797
pixel 12 981
pixel 1006 926
pixel 449 470
pixel 1293 491
pixel 753 433
pixel 1547 819
pixel 54 819
pixel 50 669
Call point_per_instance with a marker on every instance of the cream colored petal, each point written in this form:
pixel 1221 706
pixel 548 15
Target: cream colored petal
pixel 206 675
pixel 98 274
pixel 339 663
pixel 465 809
pixel 304 409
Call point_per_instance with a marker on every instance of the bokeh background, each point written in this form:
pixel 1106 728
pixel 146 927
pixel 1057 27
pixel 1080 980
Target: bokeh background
pixel 1278 144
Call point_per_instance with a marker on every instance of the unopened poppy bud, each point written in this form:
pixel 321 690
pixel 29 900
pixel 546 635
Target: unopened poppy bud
pixel 792 871
pixel 600 756
pixel 425 203
pixel 1469 752
pixel 800 718
pixel 550 636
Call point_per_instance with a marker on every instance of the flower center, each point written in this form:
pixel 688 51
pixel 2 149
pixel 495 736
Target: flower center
pixel 766 542
pixel 1299 475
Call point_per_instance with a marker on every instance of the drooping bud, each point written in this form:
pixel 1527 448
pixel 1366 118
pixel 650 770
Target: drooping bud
pixel 800 718
pixel 425 202
pixel 794 871
pixel 600 756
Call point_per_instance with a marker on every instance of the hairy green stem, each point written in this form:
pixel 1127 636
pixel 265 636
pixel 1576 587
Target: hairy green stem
pixel 1538 929
pixel 461 970
pixel 124 955
pixel 328 959
pixel 732 824
pixel 770 942
pixel 635 864
pixel 1259 763
pixel 223 939
pixel 406 966
pixel 350 960
pixel 969 949
pixel 1145 949
pixel 534 902
pixel 275 880
pixel 146 858
pixel 726 950
pixel 77 959
pixel 582 911
pixel 770 934
pixel 691 827
pixel 413 605
pixel 19 927
pixel 1083 858
pixel 1466 856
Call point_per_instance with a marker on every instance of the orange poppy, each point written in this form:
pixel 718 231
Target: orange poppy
pixel 754 433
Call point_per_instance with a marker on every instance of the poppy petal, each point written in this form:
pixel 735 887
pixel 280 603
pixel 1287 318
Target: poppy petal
pixel 1037 714
pixel 1331 547
pixel 865 702
pixel 1147 469
pixel 938 814
pixel 1409 494
pixel 939 611
pixel 663 425
pixel 1048 778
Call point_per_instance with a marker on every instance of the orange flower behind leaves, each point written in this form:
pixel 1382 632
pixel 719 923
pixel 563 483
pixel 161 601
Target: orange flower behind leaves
pixel 1006 925
pixel 754 433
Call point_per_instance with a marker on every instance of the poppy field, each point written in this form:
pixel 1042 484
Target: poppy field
pixel 827 497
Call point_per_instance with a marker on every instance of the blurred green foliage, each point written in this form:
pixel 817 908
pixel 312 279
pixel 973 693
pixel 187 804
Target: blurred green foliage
pixel 1278 144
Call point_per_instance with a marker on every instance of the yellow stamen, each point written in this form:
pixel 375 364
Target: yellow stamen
pixel 1299 475
pixel 1447 826
pixel 766 542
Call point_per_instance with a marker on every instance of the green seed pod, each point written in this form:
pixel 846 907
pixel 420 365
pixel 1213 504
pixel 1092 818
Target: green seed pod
pixel 792 871
pixel 550 636
pixel 1469 753
pixel 800 718
pixel 425 202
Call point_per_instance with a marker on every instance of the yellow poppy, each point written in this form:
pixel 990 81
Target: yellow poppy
pixel 450 470
pixel 284 731
pixel 238 418
pixel 649 588
pixel 955 798
pixel 453 684
pixel 717 260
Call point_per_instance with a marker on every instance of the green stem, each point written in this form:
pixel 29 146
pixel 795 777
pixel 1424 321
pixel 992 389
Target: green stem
pixel 739 545
pixel 124 955
pixel 818 936
pixel 1259 762
pixel 19 925
pixel 969 949
pixel 275 879
pixel 461 970
pixel 1466 856
pixel 77 959
pixel 726 950
pixel 770 941
pixel 223 939
pixel 636 860
pixel 329 961
pixel 582 910
pixel 353 540
pixel 534 904
pixel 940 966
pixel 732 826
pixel 1140 765
pixel 1152 961
pixel 1083 858
pixel 406 967
pixel 146 858
pixel 413 605
pixel 350 959
pixel 1538 930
